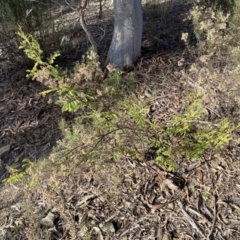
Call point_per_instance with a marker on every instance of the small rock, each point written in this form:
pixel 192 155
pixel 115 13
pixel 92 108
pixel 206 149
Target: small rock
pixel 48 221
pixel 107 227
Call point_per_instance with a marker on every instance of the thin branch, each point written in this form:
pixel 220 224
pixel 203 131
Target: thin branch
pixel 89 35
pixel 80 11
pixel 74 9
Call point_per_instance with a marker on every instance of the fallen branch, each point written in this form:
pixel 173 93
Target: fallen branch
pixel 189 219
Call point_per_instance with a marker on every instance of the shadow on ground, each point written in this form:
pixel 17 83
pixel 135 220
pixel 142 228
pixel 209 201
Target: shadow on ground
pixel 29 124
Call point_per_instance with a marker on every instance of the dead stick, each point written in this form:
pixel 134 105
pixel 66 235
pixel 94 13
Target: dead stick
pixel 189 219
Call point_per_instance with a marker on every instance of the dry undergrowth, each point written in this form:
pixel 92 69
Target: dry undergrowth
pixel 98 190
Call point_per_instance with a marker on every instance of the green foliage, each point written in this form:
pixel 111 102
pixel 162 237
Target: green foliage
pixel 72 99
pixel 164 154
pixel 137 113
pixel 17 175
pixel 113 86
pixel 207 192
pixel 187 135
pixel 33 50
pixel 193 111
pixel 128 132
pixel 202 138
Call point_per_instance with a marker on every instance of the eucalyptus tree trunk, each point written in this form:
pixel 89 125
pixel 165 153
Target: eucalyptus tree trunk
pixel 127 36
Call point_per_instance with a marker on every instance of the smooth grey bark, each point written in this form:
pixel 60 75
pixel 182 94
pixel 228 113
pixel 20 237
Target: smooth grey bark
pixel 127 36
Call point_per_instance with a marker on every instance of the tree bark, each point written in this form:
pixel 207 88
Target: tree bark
pixel 127 36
